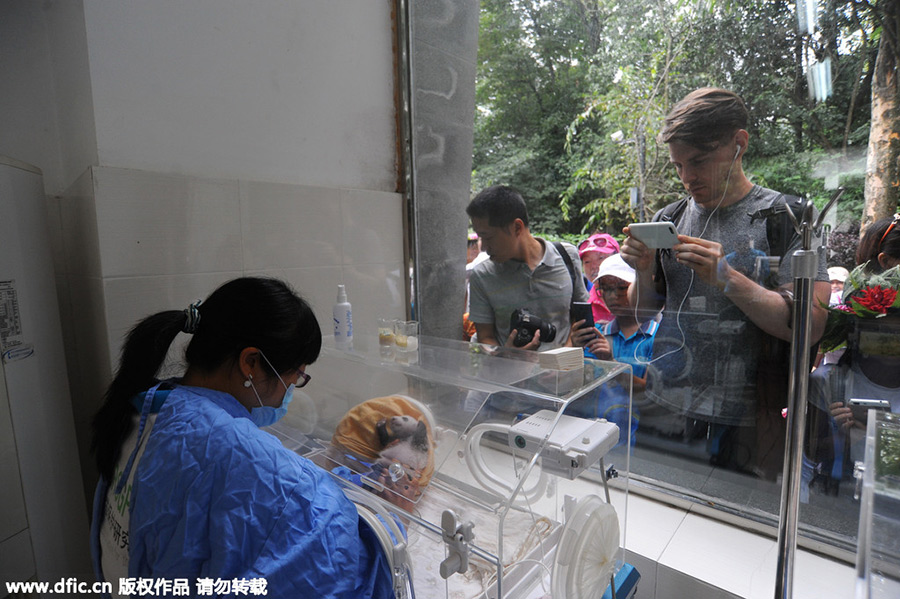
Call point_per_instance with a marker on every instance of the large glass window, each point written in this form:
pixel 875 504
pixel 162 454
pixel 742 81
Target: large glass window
pixel 571 98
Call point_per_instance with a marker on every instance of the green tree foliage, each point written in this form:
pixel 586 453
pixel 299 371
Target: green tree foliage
pixel 530 83
pixel 572 94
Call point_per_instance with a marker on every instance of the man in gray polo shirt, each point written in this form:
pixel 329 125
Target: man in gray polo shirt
pixel 524 272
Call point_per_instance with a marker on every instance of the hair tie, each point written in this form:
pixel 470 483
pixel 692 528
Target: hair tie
pixel 192 318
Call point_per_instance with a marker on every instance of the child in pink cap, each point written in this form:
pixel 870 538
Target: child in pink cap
pixel 593 251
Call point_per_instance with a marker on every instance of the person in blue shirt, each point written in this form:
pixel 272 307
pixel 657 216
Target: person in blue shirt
pixel 624 339
pixel 192 491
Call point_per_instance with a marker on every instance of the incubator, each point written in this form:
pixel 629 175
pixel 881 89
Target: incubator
pixel 484 474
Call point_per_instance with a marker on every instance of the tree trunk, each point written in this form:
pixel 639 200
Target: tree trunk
pixel 883 161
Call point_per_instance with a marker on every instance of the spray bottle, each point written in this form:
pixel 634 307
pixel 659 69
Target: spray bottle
pixel 343 321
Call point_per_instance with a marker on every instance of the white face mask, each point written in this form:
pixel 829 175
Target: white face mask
pixel 267 415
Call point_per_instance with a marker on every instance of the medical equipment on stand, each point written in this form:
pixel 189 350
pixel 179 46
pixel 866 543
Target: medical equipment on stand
pixel 566 445
pixel 585 556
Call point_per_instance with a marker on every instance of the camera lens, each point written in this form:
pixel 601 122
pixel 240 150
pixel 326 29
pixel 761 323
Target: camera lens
pixel 548 332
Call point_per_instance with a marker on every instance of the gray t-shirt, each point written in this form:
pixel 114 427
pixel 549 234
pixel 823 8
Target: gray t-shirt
pixel 707 354
pixel 496 290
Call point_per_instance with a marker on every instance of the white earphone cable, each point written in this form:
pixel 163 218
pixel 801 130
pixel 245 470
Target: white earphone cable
pixel 637 300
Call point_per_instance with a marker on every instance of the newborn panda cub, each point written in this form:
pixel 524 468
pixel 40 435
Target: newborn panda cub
pixel 405 443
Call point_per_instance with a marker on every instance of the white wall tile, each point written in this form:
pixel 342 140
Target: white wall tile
pixel 80 237
pixel 87 359
pixel 372 227
pixel 130 299
pixel 289 226
pixel 55 234
pixel 267 90
pixel 721 555
pixel 814 577
pixel 155 224
pixel 17 558
pixel 374 290
pixel 317 285
pixel 650 526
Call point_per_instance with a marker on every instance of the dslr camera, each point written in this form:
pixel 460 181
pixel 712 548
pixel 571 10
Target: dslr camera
pixel 526 323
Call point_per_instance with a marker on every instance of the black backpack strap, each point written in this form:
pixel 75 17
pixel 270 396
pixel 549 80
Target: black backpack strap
pixel 670 213
pixel 779 227
pixel 568 260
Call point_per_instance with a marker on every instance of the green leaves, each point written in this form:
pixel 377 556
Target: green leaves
pixel 557 78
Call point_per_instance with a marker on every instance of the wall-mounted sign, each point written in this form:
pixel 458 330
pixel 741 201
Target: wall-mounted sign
pixel 12 341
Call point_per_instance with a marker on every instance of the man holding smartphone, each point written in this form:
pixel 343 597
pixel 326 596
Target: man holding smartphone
pixel 524 271
pixel 713 366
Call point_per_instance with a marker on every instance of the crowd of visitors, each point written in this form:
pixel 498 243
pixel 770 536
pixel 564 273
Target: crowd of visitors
pixel 704 324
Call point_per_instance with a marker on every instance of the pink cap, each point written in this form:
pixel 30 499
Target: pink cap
pixel 599 242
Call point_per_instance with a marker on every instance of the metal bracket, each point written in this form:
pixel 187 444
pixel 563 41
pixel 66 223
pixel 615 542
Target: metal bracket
pixel 805 227
pixel 457 536
pixel 611 472
pixel 859 470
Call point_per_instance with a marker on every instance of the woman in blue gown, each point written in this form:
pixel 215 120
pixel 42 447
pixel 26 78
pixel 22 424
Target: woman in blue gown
pixel 194 499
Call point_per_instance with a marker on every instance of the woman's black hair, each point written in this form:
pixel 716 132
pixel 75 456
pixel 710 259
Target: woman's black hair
pixel 872 244
pixel 247 312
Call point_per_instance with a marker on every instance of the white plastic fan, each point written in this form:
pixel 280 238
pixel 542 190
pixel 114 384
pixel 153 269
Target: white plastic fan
pixel 586 554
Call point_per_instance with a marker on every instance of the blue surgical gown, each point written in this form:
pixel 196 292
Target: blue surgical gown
pixel 216 497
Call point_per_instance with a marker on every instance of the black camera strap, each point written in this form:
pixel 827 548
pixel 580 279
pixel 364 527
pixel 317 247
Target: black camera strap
pixel 568 260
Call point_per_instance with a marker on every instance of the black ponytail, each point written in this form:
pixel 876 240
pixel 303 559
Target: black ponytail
pixel 145 349
pixel 246 312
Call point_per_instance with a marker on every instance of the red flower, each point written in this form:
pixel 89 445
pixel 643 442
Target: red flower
pixel 877 299
pixel 844 308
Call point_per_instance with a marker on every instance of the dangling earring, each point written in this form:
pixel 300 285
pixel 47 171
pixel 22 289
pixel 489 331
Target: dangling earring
pixel 249 380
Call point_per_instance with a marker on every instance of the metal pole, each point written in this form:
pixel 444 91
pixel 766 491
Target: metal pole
pixel 405 85
pixel 793 459
pixel 805 267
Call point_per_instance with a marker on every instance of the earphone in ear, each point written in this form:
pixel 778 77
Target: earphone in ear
pixel 738 151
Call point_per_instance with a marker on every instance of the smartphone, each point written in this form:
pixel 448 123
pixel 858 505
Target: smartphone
pixel 583 311
pixel 654 235
pixel 874 404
